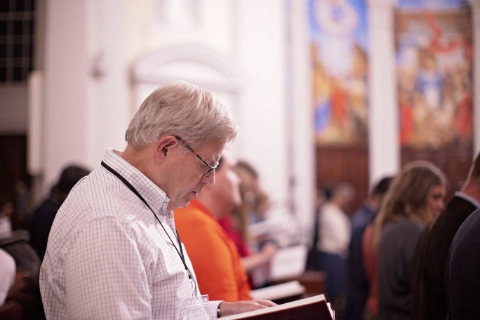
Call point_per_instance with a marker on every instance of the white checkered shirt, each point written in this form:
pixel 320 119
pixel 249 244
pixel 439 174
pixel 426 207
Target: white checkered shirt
pixel 109 258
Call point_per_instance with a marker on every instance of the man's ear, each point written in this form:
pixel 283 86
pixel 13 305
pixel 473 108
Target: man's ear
pixel 164 146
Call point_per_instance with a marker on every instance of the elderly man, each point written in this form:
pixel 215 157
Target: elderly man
pixel 113 251
pixel 214 256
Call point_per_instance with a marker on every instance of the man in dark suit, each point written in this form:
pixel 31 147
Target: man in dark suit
pixel 461 276
pixel 428 279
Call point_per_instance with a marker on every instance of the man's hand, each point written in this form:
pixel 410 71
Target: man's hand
pixel 229 308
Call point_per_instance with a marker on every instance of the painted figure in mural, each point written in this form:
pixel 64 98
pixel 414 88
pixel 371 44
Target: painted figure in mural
pixel 337 17
pixel 339 58
pixel 437 110
pixel 358 92
pixel 321 92
pixel 429 80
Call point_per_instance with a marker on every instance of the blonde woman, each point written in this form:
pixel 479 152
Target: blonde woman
pixel 415 197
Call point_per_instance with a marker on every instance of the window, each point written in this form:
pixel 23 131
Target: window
pixel 16 40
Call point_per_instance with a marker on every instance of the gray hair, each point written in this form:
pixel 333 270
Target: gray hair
pixel 181 109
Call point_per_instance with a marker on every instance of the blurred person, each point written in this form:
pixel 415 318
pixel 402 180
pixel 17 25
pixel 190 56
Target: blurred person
pixel 430 260
pixel 251 258
pixel 6 212
pixel 415 197
pixel 461 274
pixel 45 214
pixel 247 212
pixel 215 258
pixel 244 214
pixel 370 263
pixel 252 209
pixel 24 290
pixel 358 285
pixel 263 248
pixel 21 220
pixel 333 240
pixel 7 276
pixel 323 195
pixel 113 250
pixel 368 210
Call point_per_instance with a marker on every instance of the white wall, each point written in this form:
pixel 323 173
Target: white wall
pixel 66 94
pixel 299 112
pixel 250 35
pixel 261 53
pixel 109 85
pixel 84 112
pixel 384 149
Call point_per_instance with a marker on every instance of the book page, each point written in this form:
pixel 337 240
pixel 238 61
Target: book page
pixel 288 262
pixel 279 291
pixel 297 306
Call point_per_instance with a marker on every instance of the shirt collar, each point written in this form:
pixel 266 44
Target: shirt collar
pixel 156 198
pixel 470 199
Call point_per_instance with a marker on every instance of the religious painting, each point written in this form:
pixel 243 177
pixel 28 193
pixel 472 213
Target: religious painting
pixel 434 56
pixel 339 60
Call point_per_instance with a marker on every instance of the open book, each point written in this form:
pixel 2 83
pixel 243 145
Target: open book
pixel 278 291
pixel 288 262
pixel 313 308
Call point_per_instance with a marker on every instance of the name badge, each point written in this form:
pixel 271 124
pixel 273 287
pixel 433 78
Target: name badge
pixel 196 308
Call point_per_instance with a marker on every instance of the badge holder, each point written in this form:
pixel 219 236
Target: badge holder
pixel 196 308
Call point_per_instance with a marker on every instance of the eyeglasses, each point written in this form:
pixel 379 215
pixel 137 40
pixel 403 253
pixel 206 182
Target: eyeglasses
pixel 212 168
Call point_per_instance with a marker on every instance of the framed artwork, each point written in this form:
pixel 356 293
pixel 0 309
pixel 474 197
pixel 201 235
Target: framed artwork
pixel 434 56
pixel 339 60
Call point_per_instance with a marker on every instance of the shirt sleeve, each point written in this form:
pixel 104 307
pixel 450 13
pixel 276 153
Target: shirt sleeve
pixel 335 229
pixel 212 308
pixel 104 274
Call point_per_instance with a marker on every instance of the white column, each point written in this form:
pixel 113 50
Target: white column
pixel 475 4
pixel 110 111
pixel 86 92
pixel 261 57
pixel 65 91
pixel 299 86
pixel 384 149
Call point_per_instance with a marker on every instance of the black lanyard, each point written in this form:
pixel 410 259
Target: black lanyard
pixel 180 252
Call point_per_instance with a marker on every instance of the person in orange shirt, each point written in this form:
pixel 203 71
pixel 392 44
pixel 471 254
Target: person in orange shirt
pixel 215 258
